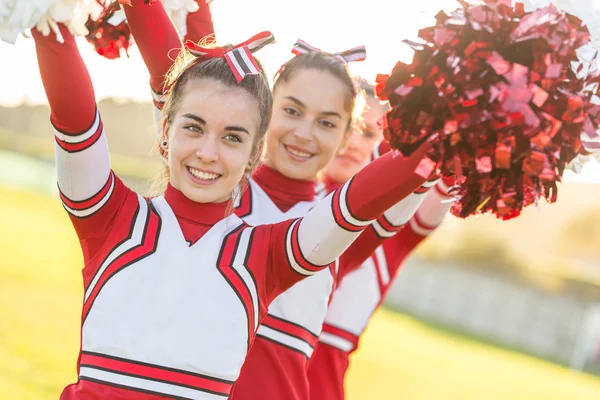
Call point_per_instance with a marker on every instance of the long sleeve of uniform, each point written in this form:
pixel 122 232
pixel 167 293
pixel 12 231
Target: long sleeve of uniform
pixel 386 226
pixel 428 217
pixel 199 24
pixel 156 37
pixel 301 247
pixel 89 190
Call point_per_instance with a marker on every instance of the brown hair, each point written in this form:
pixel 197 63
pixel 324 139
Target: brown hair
pixel 322 62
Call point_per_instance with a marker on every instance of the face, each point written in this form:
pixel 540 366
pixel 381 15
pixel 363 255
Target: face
pixel 308 124
pixel 361 143
pixel 210 140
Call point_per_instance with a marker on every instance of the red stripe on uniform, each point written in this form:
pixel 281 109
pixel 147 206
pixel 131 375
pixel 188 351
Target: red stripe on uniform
pixel 339 217
pixel 290 328
pixel 80 146
pixel 334 330
pixel 156 372
pixel 442 192
pixel 297 253
pixel 421 224
pixel 224 264
pixel 245 207
pixel 158 104
pixel 386 225
pixel 148 246
pixel 90 202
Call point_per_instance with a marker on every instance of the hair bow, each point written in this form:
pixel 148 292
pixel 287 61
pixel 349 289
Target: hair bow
pixel 355 54
pixel 240 58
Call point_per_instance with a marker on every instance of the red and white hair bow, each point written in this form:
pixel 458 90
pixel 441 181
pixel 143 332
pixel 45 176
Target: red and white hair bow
pixel 355 54
pixel 240 58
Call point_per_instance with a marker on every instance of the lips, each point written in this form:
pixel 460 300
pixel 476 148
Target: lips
pixel 203 177
pixel 298 153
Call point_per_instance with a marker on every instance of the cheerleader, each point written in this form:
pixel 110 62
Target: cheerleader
pixel 174 288
pixel 361 292
pixel 314 98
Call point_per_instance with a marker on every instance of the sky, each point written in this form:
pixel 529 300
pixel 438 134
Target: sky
pixel 332 25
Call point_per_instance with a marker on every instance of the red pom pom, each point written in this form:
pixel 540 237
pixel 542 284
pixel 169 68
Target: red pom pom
pixel 110 33
pixel 498 87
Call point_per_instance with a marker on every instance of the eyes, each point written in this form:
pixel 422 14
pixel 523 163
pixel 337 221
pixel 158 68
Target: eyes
pixel 294 113
pixel 197 129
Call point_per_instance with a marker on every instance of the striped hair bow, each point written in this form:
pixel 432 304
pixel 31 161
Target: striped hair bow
pixel 240 58
pixel 355 54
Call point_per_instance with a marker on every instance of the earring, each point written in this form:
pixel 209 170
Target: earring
pixel 164 144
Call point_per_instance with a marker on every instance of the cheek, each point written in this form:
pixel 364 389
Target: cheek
pixel 330 142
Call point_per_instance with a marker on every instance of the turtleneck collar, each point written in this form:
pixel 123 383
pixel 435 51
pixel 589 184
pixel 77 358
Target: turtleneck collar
pixel 285 192
pixel 201 213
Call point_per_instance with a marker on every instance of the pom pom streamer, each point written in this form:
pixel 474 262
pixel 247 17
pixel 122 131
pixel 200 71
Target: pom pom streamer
pixel 109 34
pixel 509 95
pixel 18 16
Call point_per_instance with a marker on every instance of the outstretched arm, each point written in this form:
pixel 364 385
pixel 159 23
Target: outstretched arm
pixel 301 247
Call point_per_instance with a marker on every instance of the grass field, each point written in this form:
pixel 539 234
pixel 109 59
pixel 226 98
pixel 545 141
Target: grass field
pixel 400 358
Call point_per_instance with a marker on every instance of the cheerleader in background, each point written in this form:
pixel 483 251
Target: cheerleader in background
pixel 313 101
pixel 174 287
pixel 360 292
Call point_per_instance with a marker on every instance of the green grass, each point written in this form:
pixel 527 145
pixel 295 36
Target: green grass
pixel 399 358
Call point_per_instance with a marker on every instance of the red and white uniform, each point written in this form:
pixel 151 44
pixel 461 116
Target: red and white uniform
pixel 361 292
pixel 289 333
pixel 174 290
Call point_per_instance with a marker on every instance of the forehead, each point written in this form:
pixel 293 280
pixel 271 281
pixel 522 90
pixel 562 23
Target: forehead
pixel 318 90
pixel 219 104
pixel 374 110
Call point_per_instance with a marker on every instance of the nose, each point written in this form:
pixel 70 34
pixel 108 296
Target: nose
pixel 208 151
pixel 354 140
pixel 303 131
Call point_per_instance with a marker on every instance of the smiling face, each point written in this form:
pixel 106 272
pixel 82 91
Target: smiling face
pixel 362 141
pixel 308 125
pixel 211 140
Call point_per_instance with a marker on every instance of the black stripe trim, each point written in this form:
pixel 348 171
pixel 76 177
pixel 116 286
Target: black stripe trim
pixel 267 42
pixel 159 224
pixel 133 389
pixel 131 228
pixel 242 63
pixel 348 205
pixel 292 323
pixel 238 294
pixel 145 364
pixel 110 175
pixel 285 345
pixel 154 380
pixel 96 116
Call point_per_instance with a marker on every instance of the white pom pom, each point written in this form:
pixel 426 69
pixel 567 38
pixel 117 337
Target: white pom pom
pixel 178 11
pixel 18 16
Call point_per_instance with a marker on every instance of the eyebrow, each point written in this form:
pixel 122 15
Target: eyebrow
pixel 301 104
pixel 201 121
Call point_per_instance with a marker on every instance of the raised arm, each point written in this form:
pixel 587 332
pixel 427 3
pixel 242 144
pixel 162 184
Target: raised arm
pixel 88 189
pixel 301 247
pixel 199 24
pixel 157 39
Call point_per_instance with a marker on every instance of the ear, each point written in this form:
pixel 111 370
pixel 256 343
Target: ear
pixel 164 135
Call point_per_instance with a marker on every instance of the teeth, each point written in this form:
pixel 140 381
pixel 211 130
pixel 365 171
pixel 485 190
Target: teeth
pixel 298 153
pixel 203 175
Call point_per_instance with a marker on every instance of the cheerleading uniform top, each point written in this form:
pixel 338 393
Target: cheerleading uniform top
pixel 361 292
pixel 289 333
pixel 175 290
